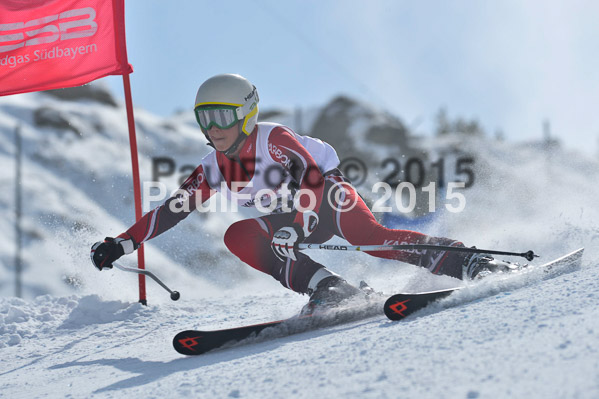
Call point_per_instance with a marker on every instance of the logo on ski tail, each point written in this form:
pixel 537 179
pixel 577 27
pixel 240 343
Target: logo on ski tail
pixel 189 342
pixel 399 307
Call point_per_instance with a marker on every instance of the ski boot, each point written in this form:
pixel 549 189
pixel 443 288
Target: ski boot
pixel 329 293
pixel 478 266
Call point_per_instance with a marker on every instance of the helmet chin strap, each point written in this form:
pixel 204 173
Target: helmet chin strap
pixel 234 146
pixel 238 141
pixel 209 143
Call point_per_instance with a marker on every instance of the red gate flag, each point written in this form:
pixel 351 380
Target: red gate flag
pixel 51 44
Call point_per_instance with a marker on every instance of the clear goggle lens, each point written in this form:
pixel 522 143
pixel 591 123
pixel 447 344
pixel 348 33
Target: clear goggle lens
pixel 221 117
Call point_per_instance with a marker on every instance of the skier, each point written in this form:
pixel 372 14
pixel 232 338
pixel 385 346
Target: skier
pixel 247 154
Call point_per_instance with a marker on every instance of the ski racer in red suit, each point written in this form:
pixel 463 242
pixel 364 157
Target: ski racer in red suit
pixel 266 165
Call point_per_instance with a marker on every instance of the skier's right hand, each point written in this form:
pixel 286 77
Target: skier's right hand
pixel 284 242
pixel 104 253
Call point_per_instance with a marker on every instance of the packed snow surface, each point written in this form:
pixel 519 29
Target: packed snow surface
pixel 80 333
pixel 541 340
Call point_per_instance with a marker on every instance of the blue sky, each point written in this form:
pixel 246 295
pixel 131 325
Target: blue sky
pixel 509 64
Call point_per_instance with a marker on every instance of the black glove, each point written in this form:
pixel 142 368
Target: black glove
pixel 104 253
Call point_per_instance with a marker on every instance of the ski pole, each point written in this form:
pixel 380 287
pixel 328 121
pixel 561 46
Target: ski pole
pixel 529 255
pixel 174 294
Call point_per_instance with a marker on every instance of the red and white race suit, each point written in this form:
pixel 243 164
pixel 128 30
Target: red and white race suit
pixel 274 164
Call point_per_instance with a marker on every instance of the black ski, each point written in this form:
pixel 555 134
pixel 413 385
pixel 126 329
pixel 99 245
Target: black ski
pixel 400 306
pixel 396 307
pixel 197 342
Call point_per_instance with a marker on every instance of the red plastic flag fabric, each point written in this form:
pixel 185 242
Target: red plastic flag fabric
pixel 51 44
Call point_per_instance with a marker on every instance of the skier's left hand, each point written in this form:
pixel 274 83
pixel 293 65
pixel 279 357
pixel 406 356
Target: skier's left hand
pixel 285 240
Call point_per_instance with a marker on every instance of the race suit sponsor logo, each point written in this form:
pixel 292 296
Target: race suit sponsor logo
pixel 190 186
pixel 396 242
pixel 279 156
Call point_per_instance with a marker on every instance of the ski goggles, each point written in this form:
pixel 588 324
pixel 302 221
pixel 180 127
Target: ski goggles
pixel 221 116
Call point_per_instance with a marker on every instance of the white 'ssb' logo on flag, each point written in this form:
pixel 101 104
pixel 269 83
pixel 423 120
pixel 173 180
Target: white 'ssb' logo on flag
pixel 63 26
pixel 77 41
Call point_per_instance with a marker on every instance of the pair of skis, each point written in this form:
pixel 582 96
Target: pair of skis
pixel 396 307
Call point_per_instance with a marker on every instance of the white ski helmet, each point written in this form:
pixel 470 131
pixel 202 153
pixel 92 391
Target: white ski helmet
pixel 230 90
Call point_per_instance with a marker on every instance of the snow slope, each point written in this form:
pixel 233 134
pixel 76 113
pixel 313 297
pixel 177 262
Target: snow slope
pixel 80 333
pixel 77 189
pixel 539 341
